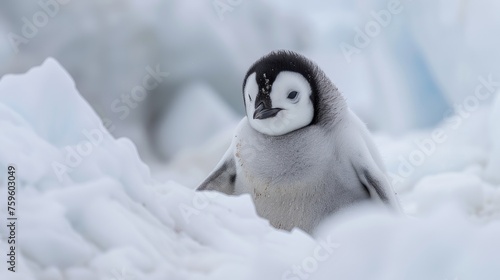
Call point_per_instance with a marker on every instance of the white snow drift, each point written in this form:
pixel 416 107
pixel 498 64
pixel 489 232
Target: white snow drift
pixel 88 209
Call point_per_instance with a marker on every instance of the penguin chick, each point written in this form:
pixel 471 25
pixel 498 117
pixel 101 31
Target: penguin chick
pixel 300 152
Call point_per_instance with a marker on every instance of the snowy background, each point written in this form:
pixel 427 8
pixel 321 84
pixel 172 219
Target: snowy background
pixel 107 163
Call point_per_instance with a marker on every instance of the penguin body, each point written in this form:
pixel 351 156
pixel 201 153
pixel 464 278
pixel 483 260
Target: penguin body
pixel 300 153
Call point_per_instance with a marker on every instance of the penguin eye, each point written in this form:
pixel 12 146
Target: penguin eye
pixel 292 95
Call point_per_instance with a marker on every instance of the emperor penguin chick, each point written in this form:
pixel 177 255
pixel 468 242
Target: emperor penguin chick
pixel 300 152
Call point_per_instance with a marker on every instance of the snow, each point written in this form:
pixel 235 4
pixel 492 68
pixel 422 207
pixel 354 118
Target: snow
pixel 494 159
pixel 466 49
pixel 198 107
pixel 90 208
pixel 99 214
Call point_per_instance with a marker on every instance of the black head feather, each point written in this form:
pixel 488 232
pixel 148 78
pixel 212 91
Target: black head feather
pixel 268 67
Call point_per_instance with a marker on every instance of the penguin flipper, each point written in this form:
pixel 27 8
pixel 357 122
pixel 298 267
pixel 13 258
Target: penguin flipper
pixel 371 174
pixel 367 163
pixel 223 178
pixel 378 186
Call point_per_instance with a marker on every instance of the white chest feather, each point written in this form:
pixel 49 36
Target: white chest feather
pixel 294 181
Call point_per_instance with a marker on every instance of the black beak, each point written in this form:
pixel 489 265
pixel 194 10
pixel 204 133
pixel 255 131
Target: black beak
pixel 261 112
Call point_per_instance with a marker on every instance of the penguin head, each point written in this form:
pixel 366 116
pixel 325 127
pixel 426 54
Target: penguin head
pixel 278 93
pixel 285 107
pixel 281 92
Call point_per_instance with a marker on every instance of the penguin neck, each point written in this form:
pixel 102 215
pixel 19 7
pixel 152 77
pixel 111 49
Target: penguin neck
pixel 331 106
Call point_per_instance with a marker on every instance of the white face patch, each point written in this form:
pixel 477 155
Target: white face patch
pixel 297 109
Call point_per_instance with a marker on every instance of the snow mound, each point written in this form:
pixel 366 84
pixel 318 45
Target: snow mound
pixel 88 209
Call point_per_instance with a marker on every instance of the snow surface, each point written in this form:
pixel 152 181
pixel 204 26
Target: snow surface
pixel 104 217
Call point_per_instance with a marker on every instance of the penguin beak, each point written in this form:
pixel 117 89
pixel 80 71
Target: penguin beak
pixel 262 112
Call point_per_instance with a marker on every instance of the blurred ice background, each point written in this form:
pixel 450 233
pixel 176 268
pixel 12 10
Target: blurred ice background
pixel 412 75
pixel 409 73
